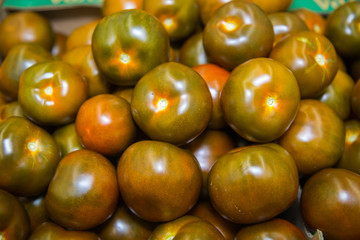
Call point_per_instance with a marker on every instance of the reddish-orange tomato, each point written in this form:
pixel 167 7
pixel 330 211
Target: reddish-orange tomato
pixel 83 192
pixel 192 52
pixel 158 181
pixel 316 138
pixel 112 6
pixel 254 183
pixel 260 99
pixel 81 35
pixel 313 20
pixel 105 125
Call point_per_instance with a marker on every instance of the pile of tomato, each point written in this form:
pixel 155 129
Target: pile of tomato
pixel 181 119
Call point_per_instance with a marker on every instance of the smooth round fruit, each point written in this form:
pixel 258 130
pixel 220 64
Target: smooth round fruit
pixel 313 20
pixel 192 52
pixel 67 139
pixel 35 209
pixel 81 36
pixel 59 47
pixel 10 110
pixel 112 6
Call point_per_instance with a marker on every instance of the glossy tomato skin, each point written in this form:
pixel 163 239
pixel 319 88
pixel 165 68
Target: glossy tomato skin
pixel 28 159
pixel 167 102
pixel 215 77
pixel 311 57
pixel 208 7
pixel 260 99
pixel 104 124
pixel 316 138
pixel 186 227
pixel 10 110
pixel 50 93
pixel 25 26
pixel 67 139
pixel 125 60
pixel 343 31
pixel 83 192
pixel 273 6
pixel 14 222
pixel 274 229
pixel 238 31
pixel 35 209
pixel 338 94
pixel 19 58
pixel 355 100
pixel 112 6
pixel 49 230
pixel 59 47
pixel 133 227
pixel 330 202
pixel 125 93
pixel 158 181
pixel 313 20
pixel 264 183
pixel 81 36
pixel 192 52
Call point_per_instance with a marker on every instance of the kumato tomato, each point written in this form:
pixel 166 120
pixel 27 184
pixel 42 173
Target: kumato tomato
pixel 272 6
pixel 112 6
pixel 254 183
pixel 355 100
pixel 59 47
pixel 83 192
pixel 35 209
pixel 14 222
pixel 316 138
pixel 330 202
pixel 238 31
pixel 192 52
pixel 186 227
pixel 51 93
pixel 311 57
pixel 28 157
pixel 172 103
pixel 125 93
pixel 208 7
pixel 81 36
pixel 274 229
pixel 67 139
pixel 11 109
pixel 158 181
pixel 313 20
pixel 128 44
pixel 260 99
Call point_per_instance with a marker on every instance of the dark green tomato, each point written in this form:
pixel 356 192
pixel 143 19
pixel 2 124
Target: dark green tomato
pixel 28 157
pixel 84 191
pixel 186 227
pixel 132 227
pixel 158 181
pixel 10 110
pixel 355 100
pixel 51 93
pixel 260 99
pixel 67 139
pixel 14 222
pixel 253 184
pixel 342 29
pixel 128 44
pixel 172 103
pixel 179 17
pixel 19 58
pixel 274 229
pixel 51 231
pixel 338 94
pixel 35 209
pixel 316 138
pixel 330 202
pixel 351 156
pixel 238 31
pixel 192 52
pixel 205 211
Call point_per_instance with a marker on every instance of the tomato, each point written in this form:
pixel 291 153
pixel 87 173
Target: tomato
pixel 355 99
pixel 67 139
pixel 260 99
pixel 311 57
pixel 192 52
pixel 205 211
pixel 167 102
pixel 82 59
pixel 179 17
pixel 274 229
pixel 51 93
pixel 14 222
pixel 313 20
pixel 272 6
pixel 329 196
pixel 25 26
pixel 81 35
pixel 29 156
pixel 285 23
pixel 342 65
pixel 35 209
pixel 351 156
pixel 59 47
pixel 254 183
pixel 125 93
pixel 105 125
pixel 338 94
pixel 131 228
pixel 342 29
pixel 19 58
pixel 207 148
pixel 112 6
pixel 49 230
pixel 10 110
pixel 238 31
pixel 215 77
pixel 316 138
pixel 128 44
pixel 208 7
pixel 186 227
pixel 83 192
pixel 158 181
